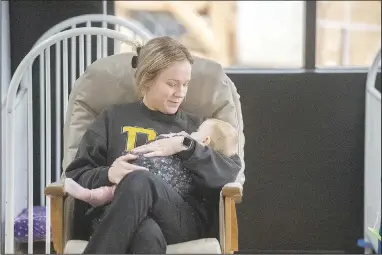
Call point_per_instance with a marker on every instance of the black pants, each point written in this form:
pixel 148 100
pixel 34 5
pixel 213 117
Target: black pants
pixel 145 215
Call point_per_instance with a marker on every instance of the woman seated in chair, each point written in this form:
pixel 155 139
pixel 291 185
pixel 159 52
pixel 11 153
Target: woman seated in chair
pixel 146 214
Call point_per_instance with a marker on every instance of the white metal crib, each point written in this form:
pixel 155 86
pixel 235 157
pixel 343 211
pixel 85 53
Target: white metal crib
pixel 23 78
pixel 135 32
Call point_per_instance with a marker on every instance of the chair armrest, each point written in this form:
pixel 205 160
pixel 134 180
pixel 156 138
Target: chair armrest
pixel 231 194
pixel 57 194
pixel 55 189
pixel 233 190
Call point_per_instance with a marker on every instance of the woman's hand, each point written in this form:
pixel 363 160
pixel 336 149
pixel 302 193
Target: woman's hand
pixel 169 135
pixel 183 133
pixel 163 147
pixel 121 167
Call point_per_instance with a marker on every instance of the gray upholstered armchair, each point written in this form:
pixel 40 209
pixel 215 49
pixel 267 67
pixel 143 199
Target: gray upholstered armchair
pixel 110 81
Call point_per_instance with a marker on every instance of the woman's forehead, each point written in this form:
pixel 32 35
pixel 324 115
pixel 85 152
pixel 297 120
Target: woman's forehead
pixel 178 71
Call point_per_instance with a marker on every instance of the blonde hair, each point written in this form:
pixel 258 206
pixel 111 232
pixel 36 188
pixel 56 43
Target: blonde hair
pixel 154 57
pixel 224 137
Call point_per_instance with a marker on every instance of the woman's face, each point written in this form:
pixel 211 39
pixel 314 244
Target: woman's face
pixel 169 89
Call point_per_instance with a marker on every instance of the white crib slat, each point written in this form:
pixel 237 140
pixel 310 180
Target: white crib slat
pixel 88 46
pixel 73 59
pixel 42 127
pixel 104 41
pixel 82 55
pixel 65 75
pixel 10 187
pixel 28 85
pixel 99 49
pixel 116 43
pixel 58 110
pixel 48 144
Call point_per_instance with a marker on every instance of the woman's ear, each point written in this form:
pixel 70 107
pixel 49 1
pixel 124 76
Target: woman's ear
pixel 206 140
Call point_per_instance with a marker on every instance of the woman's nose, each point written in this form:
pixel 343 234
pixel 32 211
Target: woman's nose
pixel 181 92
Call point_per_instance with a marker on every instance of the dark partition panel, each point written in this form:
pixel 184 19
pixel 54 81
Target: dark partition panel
pixel 304 162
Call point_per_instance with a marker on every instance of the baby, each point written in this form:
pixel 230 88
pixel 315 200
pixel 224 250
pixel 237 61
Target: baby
pixel 219 135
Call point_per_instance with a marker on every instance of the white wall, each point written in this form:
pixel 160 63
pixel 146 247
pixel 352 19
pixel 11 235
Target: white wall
pixel 270 33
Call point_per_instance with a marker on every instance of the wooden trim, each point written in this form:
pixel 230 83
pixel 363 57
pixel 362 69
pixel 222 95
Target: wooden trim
pixel 220 18
pixel 195 25
pixel 216 35
pixel 57 223
pixel 155 6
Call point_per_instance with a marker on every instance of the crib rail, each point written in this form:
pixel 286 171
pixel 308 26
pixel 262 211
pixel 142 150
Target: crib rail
pixel 58 45
pixel 372 76
pixel 372 177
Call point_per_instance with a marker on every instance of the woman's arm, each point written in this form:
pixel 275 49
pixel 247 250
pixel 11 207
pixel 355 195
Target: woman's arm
pixel 89 168
pixel 213 169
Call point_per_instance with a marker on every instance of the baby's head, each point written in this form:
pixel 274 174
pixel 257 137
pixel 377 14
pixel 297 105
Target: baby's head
pixel 220 135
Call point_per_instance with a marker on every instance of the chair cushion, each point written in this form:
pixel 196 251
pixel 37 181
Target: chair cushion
pixel 110 81
pixel 205 246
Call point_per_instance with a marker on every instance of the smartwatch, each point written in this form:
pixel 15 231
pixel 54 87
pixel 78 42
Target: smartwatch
pixel 187 142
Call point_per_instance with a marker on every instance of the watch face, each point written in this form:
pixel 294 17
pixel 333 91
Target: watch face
pixel 187 142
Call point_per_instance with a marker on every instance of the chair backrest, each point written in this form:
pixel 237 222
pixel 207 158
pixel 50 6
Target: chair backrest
pixel 110 81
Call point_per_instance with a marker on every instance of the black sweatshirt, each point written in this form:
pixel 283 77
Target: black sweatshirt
pixel 124 127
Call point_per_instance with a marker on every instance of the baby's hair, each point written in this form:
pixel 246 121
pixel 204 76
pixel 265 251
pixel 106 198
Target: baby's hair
pixel 224 137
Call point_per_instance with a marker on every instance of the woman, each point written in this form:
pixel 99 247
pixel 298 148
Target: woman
pixel 146 214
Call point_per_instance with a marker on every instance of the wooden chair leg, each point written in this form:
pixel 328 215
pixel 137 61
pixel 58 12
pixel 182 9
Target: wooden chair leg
pixel 235 230
pixel 57 223
pixel 231 228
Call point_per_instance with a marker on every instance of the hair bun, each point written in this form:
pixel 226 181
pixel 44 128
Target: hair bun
pixel 139 49
pixel 134 61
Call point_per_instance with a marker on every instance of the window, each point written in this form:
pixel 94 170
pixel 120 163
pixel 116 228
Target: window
pixel 243 34
pixel 348 33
